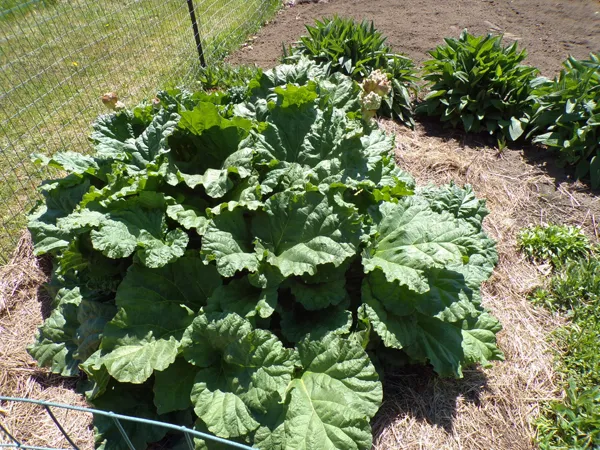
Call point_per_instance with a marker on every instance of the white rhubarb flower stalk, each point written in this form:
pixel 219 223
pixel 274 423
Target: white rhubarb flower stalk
pixel 374 88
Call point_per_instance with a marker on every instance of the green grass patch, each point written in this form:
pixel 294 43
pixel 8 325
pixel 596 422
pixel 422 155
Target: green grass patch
pixel 554 244
pixel 573 290
pixel 58 58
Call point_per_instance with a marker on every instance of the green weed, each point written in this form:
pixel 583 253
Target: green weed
pixel 573 424
pixel 566 116
pixel 553 243
pixel 573 290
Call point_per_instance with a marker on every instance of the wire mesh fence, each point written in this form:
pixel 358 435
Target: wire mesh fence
pixel 121 423
pixel 58 57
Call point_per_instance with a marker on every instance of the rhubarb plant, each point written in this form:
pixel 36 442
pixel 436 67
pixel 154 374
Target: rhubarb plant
pixel 252 267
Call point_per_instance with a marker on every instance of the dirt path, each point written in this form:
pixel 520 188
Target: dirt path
pixel 550 30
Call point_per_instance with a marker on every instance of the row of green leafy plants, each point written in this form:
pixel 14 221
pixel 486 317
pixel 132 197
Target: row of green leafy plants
pixel 249 260
pixel 476 84
pixel 572 290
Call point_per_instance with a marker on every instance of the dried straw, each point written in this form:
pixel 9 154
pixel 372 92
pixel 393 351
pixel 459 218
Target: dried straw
pixel 492 408
pixel 488 409
pixel 20 275
pixel 22 303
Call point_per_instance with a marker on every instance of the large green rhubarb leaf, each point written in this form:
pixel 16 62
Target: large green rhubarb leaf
pixel 448 297
pixel 327 287
pixel 129 227
pixel 460 202
pixel 280 141
pixel 241 297
pixel 173 387
pixel 92 317
pixel 55 341
pixel 228 241
pixel 299 232
pixel 447 346
pixel 329 406
pixel 326 148
pixel 301 73
pixel 153 141
pixel 144 335
pixel 411 238
pixel 479 339
pixel 72 162
pixel 62 197
pixel 251 368
pixel 297 323
pixel 423 338
pixel 205 149
pixel 209 334
pixel 113 136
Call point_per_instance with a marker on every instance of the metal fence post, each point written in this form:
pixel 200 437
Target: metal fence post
pixel 190 4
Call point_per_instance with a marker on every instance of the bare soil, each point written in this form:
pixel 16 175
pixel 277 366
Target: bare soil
pixel 550 30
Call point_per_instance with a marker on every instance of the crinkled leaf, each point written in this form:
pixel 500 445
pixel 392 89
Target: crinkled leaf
pixel 296 324
pixel 137 361
pixel 318 295
pixel 241 297
pixel 188 216
pixel 144 335
pixel 113 136
pixel 301 232
pixel 153 141
pixel 479 340
pixel 92 317
pixel 55 341
pixel 126 229
pixel 423 338
pixel 61 197
pixel 412 238
pixel 460 202
pixel 254 367
pixel 330 405
pixel 209 334
pixel 205 149
pixel 71 162
pixel 448 298
pixel 228 242
pixel 98 377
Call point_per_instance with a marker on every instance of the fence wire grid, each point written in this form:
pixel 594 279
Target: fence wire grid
pixel 58 57
pixel 192 439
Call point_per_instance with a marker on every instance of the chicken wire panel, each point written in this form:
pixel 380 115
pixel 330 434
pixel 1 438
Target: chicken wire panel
pixel 58 57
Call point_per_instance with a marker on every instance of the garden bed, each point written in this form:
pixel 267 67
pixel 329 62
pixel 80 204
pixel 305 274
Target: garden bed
pixel 489 408
pixel 549 30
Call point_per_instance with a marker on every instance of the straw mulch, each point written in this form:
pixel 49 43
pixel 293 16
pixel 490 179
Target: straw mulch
pixel 489 409
pixel 22 302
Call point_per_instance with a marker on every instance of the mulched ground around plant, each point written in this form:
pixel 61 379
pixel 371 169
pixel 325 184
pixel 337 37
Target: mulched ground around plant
pixel 489 408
